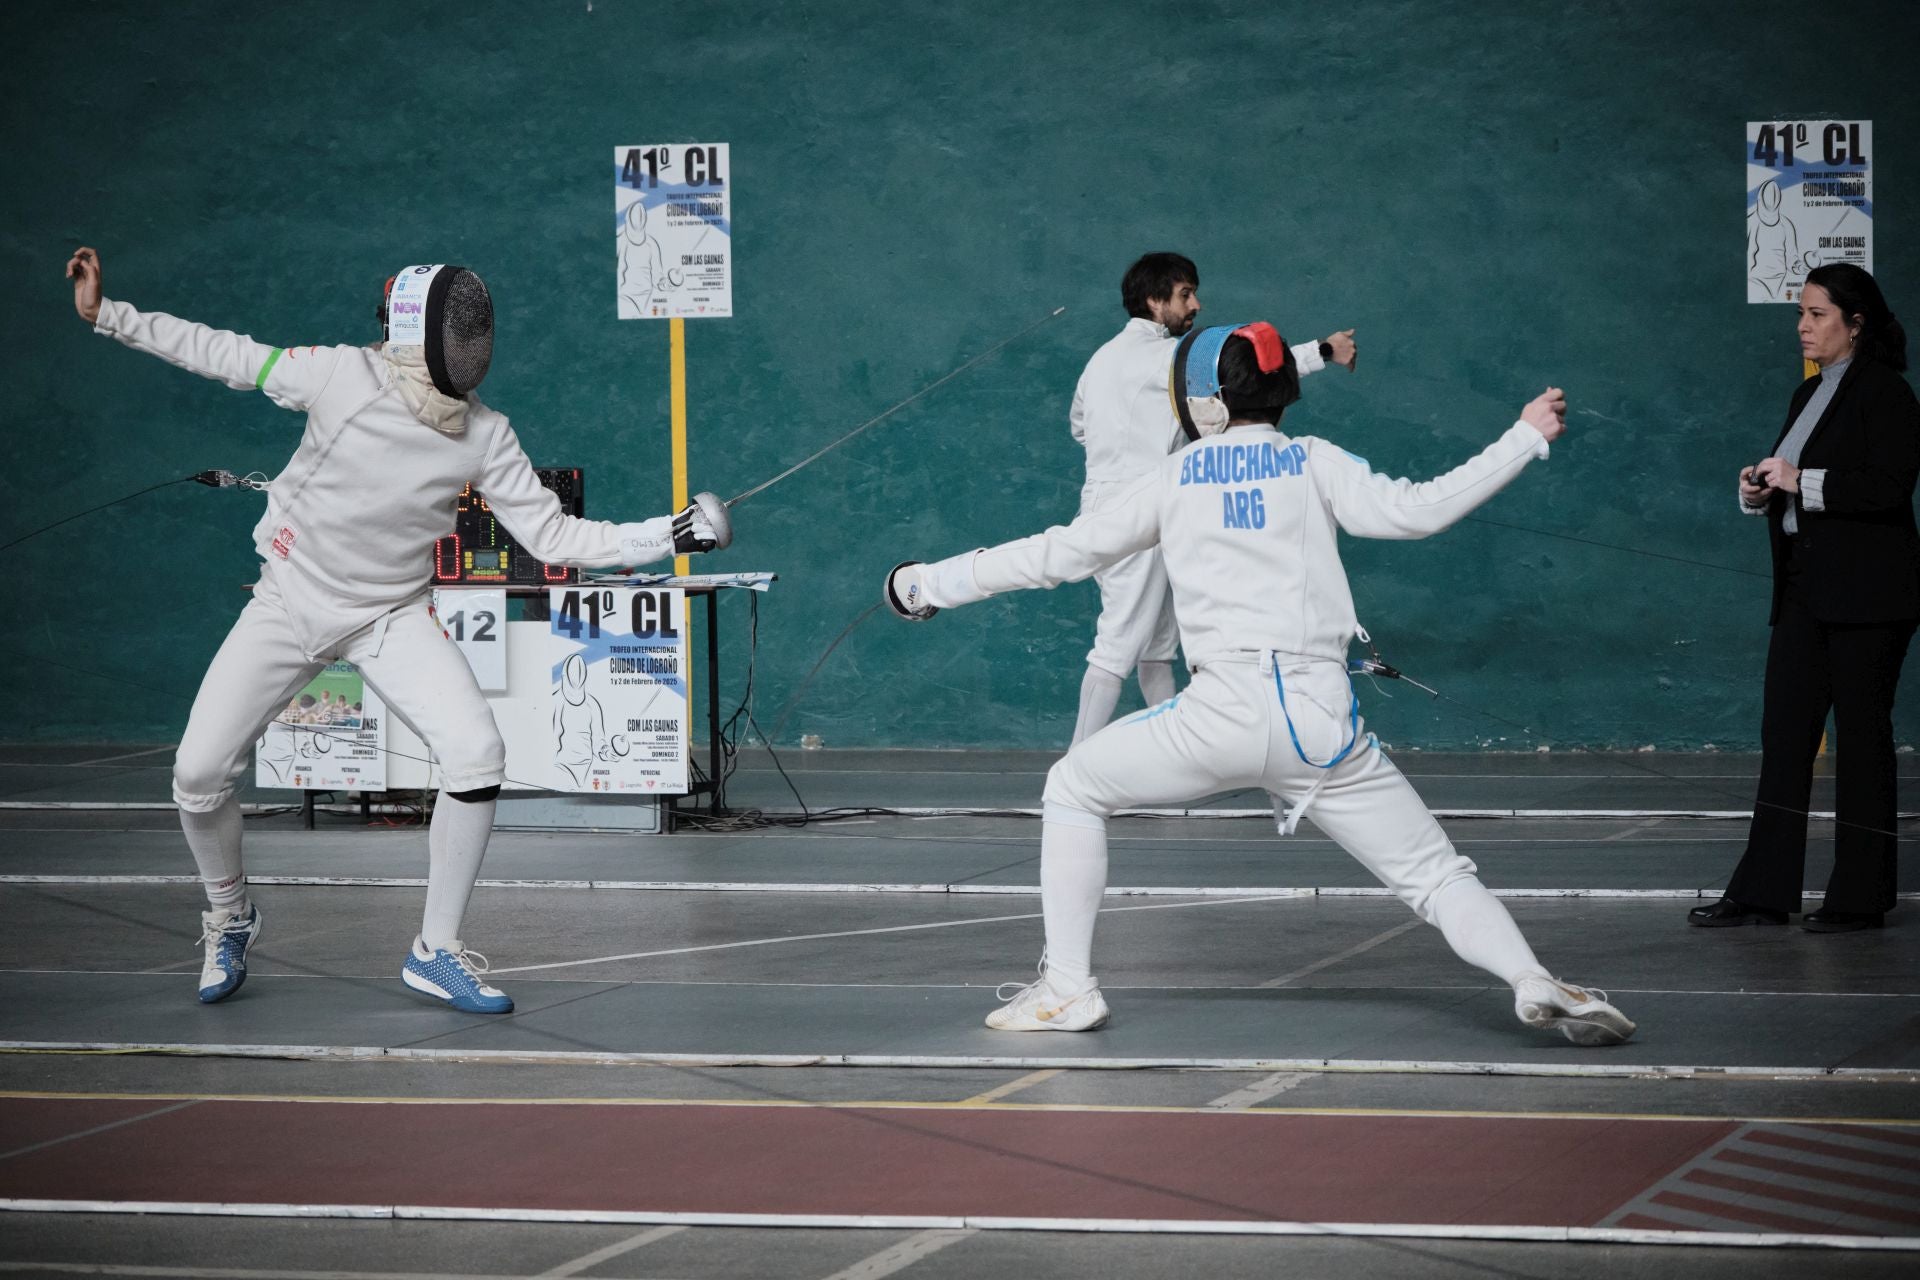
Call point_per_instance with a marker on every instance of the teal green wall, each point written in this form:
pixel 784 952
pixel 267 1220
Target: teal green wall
pixel 1495 196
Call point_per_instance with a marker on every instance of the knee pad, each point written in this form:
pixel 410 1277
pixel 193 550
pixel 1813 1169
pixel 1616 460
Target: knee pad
pixel 1068 816
pixel 474 759
pixel 1066 793
pixel 479 795
pixel 198 788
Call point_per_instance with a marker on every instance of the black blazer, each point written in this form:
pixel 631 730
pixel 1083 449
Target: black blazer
pixel 1861 553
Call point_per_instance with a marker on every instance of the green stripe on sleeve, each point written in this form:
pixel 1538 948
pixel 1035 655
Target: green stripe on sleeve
pixel 260 383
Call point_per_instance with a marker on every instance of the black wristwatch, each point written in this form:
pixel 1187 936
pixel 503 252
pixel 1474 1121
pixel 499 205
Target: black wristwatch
pixel 1326 353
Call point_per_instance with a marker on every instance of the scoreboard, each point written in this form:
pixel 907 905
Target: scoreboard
pixel 480 552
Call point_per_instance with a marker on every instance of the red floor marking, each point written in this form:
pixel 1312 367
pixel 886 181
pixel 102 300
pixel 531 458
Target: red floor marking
pixel 1796 1195
pixel 1859 1155
pixel 26 1126
pixel 1749 1214
pixel 1901 1137
pixel 717 1159
pixel 1820 1173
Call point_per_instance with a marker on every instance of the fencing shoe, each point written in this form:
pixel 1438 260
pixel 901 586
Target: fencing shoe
pixel 1038 1007
pixel 228 936
pixel 453 976
pixel 1582 1014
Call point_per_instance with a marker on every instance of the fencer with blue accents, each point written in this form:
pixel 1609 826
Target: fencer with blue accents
pixel 1266 618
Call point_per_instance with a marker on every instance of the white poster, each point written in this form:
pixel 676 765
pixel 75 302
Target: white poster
pixel 673 225
pixel 619 689
pixel 1809 202
pixel 475 619
pixel 331 736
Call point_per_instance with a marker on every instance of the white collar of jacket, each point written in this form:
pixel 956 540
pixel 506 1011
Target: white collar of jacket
pixel 438 410
pixel 1144 325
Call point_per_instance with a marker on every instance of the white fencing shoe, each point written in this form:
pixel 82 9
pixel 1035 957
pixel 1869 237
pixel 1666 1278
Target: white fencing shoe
pixel 1582 1014
pixel 1038 1007
pixel 228 936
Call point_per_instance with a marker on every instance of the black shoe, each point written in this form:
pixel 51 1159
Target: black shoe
pixel 1728 912
pixel 1827 920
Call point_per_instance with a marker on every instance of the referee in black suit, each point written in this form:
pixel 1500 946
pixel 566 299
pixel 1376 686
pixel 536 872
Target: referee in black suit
pixel 1837 494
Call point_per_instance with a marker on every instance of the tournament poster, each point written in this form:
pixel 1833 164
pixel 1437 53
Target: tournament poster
pixel 673 230
pixel 619 692
pixel 1809 202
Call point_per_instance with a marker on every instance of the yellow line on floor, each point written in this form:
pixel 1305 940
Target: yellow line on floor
pixel 965 1104
pixel 1012 1086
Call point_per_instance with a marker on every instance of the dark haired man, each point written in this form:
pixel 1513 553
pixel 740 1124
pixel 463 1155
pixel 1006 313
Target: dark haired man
pixel 1248 519
pixel 1122 417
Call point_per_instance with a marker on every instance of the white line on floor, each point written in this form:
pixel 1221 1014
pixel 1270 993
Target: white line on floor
pixel 1583 1069
pixel 1027 1081
pixel 902 1255
pixel 1245 893
pixel 131 755
pixel 950 1223
pixel 1348 954
pixel 626 1246
pixel 1260 1090
pixel 856 933
pixel 228 1273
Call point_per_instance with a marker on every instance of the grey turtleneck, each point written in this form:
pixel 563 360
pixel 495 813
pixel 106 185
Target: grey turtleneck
pixel 1812 483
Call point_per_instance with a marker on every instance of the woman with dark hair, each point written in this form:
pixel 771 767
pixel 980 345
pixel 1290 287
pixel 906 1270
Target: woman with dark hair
pixel 1837 494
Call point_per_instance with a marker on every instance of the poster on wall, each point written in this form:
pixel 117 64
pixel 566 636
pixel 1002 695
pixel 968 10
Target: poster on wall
pixel 1809 202
pixel 619 691
pixel 331 736
pixel 673 227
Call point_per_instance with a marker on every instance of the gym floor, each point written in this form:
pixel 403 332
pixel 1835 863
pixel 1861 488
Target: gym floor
pixel 758 1052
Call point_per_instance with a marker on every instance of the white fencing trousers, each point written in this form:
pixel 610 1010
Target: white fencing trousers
pixel 1227 731
pixel 1136 622
pixel 408 660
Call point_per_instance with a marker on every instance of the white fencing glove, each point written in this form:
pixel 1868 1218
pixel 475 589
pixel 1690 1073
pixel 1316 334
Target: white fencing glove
pixel 703 526
pixel 645 541
pixel 905 592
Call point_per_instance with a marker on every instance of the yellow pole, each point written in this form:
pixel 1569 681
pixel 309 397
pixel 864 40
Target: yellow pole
pixel 677 328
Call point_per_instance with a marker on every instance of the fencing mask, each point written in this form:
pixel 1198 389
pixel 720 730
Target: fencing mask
pixel 1215 378
pixel 446 311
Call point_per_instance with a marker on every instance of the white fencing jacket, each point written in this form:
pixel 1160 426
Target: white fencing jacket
pixel 1248 521
pixel 351 521
pixel 1121 412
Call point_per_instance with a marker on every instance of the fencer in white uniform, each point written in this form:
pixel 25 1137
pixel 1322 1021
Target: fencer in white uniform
pixel 1122 417
pixel 1248 519
pixel 393 434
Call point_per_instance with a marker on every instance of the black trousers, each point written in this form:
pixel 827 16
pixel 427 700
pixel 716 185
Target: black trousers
pixel 1813 667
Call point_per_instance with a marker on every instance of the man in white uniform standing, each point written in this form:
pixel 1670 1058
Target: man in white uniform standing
pixel 394 433
pixel 1248 519
pixel 1122 416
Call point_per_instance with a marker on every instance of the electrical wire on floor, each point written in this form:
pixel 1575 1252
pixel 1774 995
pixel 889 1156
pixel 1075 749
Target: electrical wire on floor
pixel 721 819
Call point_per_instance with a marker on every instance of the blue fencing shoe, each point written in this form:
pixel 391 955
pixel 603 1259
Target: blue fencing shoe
pixel 228 937
pixel 454 977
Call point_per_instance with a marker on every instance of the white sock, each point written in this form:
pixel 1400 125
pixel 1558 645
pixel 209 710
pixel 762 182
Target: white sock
pixel 1156 681
pixel 1480 931
pixel 1099 695
pixel 456 842
pixel 214 839
pixel 1073 878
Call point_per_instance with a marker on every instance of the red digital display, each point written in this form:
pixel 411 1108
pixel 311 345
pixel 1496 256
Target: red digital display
pixel 481 552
